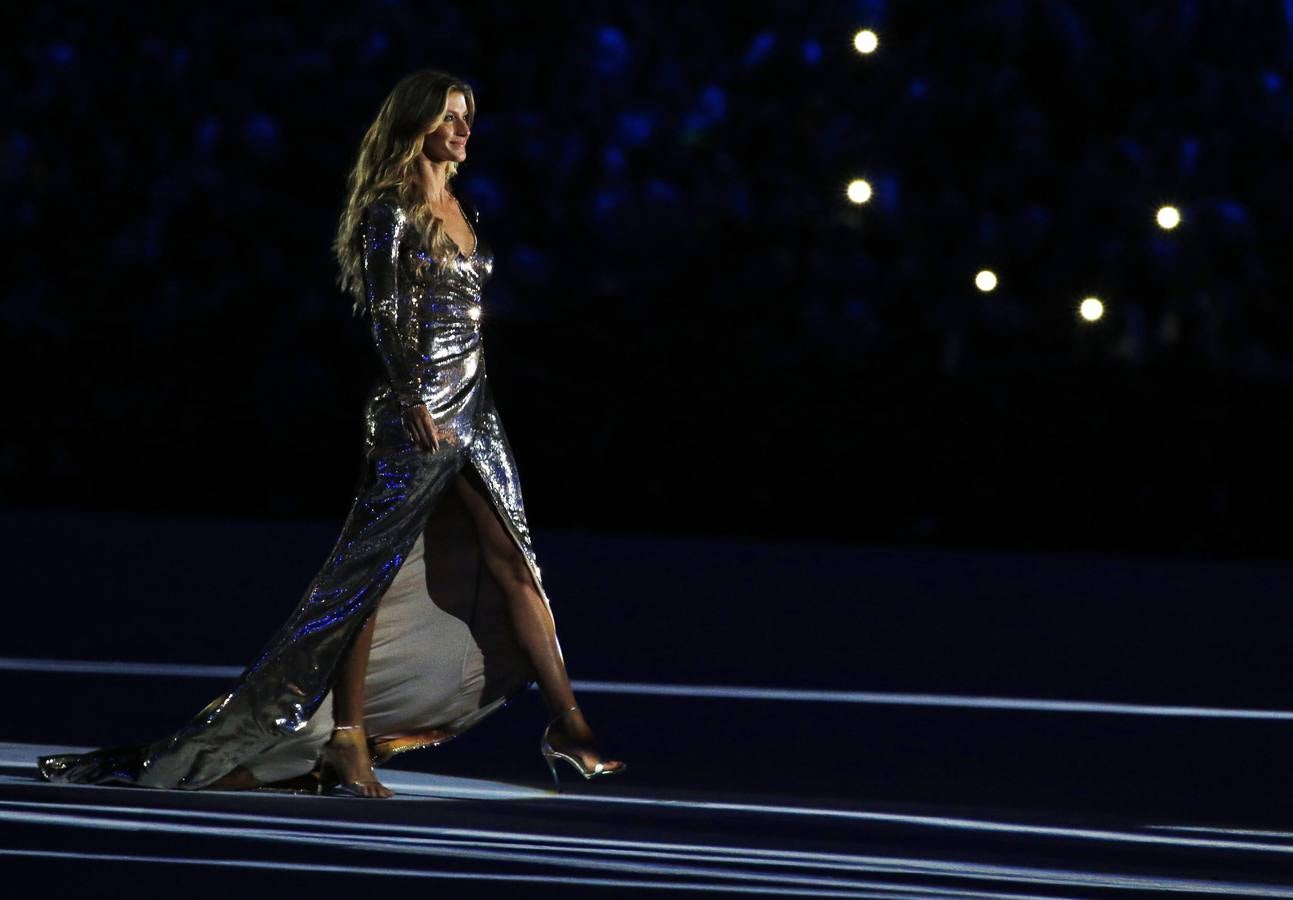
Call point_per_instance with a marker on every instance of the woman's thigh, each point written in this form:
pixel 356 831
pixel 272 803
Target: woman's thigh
pixel 501 555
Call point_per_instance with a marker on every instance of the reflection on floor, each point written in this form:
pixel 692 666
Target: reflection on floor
pixel 512 838
pixel 798 721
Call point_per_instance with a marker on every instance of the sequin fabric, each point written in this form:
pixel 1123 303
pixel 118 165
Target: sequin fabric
pixel 426 329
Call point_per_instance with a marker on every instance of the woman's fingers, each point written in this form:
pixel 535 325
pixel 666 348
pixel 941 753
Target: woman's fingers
pixel 411 426
pixel 421 428
pixel 433 432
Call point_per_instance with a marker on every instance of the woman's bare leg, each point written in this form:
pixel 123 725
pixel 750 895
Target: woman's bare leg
pixel 348 710
pixel 240 779
pixel 348 692
pixel 530 617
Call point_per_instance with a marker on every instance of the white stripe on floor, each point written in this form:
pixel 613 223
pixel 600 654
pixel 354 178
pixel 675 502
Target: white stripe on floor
pixel 712 692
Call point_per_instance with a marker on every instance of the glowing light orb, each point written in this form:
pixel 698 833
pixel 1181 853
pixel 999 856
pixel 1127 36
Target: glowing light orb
pixel 1168 217
pixel 859 191
pixel 1091 309
pixel 985 280
pixel 473 313
pixel 865 41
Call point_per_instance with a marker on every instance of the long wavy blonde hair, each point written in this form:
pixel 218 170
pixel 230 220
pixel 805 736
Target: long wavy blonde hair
pixel 387 168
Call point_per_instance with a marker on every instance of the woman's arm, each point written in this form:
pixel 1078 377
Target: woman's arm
pixel 394 323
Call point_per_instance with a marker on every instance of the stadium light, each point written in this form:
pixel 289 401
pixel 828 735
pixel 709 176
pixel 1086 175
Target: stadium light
pixel 859 190
pixel 865 41
pixel 1168 217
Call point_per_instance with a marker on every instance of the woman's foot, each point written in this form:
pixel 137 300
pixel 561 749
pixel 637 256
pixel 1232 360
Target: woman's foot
pixel 569 733
pixel 347 763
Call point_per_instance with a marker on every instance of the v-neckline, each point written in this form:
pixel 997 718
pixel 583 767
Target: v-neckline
pixel 474 236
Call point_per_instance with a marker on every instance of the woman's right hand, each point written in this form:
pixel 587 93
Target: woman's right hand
pixel 421 428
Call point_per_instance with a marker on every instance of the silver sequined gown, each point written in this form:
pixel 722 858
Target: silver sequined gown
pixel 444 653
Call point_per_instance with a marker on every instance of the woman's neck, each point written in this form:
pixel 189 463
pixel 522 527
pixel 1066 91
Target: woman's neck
pixel 434 177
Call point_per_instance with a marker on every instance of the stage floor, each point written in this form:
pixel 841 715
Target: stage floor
pixel 798 720
pixel 727 813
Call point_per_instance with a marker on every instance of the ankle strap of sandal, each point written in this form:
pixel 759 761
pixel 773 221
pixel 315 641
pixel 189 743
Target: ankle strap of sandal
pixel 345 727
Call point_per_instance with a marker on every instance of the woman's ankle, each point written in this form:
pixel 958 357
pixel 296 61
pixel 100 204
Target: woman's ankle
pixel 574 728
pixel 349 734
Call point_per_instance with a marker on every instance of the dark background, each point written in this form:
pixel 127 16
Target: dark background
pixel 690 331
pixel 767 438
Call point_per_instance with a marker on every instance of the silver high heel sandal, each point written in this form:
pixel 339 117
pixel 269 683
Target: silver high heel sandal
pixel 551 755
pixel 330 772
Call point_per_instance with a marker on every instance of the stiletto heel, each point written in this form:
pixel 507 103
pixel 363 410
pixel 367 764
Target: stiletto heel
pixel 330 772
pixel 551 755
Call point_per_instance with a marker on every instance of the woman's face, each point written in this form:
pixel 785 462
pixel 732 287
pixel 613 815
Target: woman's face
pixel 446 141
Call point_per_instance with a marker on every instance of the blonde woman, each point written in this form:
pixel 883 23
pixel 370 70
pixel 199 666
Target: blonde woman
pixel 429 613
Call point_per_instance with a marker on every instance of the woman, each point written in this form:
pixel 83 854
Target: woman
pixel 429 614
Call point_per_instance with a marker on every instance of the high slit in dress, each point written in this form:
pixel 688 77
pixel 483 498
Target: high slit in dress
pixel 444 652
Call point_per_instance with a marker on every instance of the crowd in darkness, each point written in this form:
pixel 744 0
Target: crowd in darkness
pixel 690 327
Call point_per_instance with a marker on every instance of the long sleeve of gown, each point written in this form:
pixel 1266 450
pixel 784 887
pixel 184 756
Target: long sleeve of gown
pixel 395 322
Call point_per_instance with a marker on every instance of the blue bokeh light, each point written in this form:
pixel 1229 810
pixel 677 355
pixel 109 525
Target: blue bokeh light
pixel 261 133
pixel 760 48
pixel 613 53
